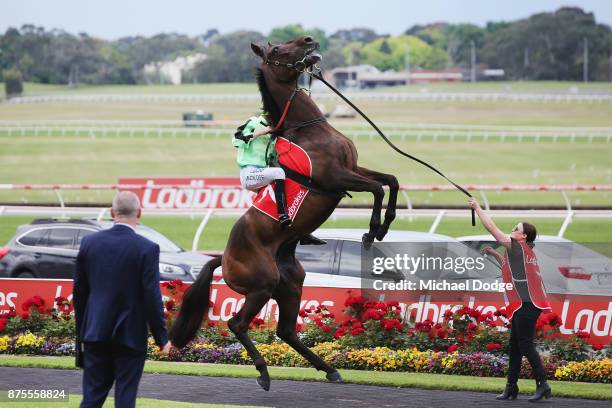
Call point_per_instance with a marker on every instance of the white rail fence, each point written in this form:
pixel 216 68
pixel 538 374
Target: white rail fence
pixel 370 96
pixel 586 135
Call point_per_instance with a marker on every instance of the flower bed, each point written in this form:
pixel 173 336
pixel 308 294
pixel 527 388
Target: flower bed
pixel 377 336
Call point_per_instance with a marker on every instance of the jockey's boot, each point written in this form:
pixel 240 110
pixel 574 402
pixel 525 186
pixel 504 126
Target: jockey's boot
pixel 311 240
pixel 281 203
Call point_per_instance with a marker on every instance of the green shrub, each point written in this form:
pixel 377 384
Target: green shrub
pixel 13 82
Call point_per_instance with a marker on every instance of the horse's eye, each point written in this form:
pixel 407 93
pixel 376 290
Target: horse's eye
pixel 274 50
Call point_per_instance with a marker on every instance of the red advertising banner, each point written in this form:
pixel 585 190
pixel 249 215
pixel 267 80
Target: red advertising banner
pixel 592 314
pixel 198 192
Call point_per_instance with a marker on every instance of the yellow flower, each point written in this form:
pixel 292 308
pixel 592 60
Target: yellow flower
pixel 28 340
pixel 4 343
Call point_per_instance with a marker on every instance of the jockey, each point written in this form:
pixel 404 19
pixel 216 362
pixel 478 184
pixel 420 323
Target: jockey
pixel 252 140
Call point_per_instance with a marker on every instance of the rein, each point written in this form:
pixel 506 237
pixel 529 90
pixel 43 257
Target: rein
pixel 386 139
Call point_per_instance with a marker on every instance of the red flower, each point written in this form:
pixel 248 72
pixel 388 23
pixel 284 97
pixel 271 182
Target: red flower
pixel 371 314
pixel 212 324
pixel 353 301
pixel 356 331
pixel 326 329
pixel 494 346
pixel 166 314
pixel 33 301
pixel 472 326
pixel 303 313
pixel 452 348
pixel 448 314
pixel 583 334
pixel 169 304
pixel 341 331
pixel 12 312
pixel 298 327
pixel 25 315
pixel 596 347
pixel 224 333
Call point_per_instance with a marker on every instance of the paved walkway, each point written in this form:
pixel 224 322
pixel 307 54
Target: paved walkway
pixel 298 394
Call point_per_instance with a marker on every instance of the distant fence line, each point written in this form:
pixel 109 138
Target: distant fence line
pixel 378 96
pixel 589 135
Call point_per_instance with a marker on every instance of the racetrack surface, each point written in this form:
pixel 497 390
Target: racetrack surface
pixel 241 391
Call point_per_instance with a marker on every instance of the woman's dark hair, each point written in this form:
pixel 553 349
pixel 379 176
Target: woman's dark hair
pixel 530 231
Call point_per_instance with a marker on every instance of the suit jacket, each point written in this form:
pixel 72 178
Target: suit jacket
pixel 116 290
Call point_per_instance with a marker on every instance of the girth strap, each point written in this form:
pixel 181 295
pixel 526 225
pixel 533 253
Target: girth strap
pixel 310 184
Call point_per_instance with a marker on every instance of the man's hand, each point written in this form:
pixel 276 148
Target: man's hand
pixel 166 349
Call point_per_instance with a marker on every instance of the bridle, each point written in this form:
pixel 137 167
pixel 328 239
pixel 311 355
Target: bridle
pixel 300 67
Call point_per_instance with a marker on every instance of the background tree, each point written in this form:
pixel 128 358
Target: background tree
pixel 290 32
pixel 229 58
pixel 420 53
pixel 13 83
pixel 550 46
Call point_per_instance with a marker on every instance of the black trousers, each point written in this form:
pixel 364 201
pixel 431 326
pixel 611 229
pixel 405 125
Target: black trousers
pixel 521 343
pixel 105 363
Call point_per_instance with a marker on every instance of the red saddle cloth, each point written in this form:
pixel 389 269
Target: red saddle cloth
pixel 295 158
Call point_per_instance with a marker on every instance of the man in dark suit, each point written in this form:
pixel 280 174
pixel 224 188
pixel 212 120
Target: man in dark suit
pixel 116 293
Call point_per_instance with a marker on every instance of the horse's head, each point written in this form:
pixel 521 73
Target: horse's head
pixel 288 60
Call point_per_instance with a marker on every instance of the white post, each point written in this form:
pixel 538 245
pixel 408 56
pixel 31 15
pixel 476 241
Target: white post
pixel 408 203
pixel 484 200
pixel 436 222
pixel 196 238
pixel 101 214
pixel 566 223
pixel 568 204
pixel 61 200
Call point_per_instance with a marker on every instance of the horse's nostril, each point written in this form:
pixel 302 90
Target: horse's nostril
pixel 308 39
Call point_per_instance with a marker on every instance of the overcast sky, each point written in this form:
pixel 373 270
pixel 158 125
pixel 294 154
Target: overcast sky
pixel 111 19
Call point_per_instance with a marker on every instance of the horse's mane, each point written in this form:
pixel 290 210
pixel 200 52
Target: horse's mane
pixel 272 111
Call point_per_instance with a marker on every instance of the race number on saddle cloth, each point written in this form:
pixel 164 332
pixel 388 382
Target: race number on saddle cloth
pixel 294 157
pixel 523 272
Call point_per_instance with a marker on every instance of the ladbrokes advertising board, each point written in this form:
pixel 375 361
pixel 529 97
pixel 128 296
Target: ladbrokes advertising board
pixel 190 192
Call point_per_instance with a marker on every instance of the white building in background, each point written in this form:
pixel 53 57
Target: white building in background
pixel 367 76
pixel 171 71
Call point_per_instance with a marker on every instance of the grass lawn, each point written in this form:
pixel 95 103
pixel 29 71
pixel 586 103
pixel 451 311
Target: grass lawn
pixel 182 229
pixel 391 379
pixel 82 159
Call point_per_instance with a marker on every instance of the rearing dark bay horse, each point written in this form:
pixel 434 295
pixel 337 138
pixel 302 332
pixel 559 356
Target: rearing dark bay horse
pixel 259 259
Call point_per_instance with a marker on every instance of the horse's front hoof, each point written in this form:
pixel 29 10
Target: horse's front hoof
pixel 334 376
pixel 367 240
pixel 264 383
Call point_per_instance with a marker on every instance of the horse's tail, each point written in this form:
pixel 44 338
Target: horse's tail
pixel 194 307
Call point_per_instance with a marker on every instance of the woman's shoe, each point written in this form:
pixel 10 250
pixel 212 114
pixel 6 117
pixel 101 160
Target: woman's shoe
pixel 510 392
pixel 542 391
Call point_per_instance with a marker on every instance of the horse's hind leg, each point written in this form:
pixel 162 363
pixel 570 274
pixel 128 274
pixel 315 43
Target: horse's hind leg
pixel 386 180
pixel 288 306
pixel 239 325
